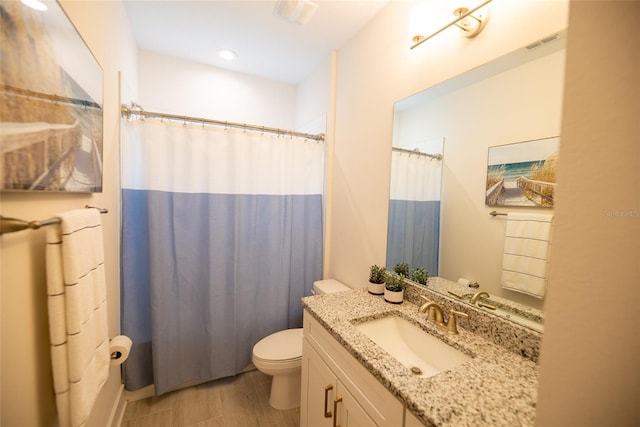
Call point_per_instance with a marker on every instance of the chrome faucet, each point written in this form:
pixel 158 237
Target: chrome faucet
pixel 436 315
pixel 477 295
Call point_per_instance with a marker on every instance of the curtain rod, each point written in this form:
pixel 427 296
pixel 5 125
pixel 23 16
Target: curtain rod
pixel 417 153
pixel 137 110
pixel 10 225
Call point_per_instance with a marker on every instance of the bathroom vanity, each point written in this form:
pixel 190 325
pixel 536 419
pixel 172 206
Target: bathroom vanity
pixel 350 380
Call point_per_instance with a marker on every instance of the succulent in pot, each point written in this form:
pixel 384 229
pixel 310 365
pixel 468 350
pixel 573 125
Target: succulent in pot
pixel 402 268
pixel 377 276
pixel 420 275
pixel 394 288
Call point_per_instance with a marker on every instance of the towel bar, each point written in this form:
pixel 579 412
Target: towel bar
pixel 10 225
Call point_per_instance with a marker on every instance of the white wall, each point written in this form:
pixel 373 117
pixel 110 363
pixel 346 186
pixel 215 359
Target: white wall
pixel 177 86
pixel 375 70
pixel 313 98
pixel 521 104
pixel 27 389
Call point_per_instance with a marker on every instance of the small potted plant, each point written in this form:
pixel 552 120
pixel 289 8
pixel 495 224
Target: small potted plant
pixel 376 280
pixel 402 268
pixel 394 288
pixel 420 275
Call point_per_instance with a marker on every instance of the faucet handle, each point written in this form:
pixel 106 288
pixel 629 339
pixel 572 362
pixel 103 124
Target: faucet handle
pixel 452 324
pixel 478 295
pixel 423 307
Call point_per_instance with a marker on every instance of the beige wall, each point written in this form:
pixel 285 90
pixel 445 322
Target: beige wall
pixel 26 389
pixel 375 70
pixel 590 352
pixel 589 373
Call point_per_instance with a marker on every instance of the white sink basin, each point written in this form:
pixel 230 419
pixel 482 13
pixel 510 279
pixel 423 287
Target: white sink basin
pixel 424 354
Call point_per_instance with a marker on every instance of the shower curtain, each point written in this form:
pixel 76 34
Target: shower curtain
pixel 413 234
pixel 221 237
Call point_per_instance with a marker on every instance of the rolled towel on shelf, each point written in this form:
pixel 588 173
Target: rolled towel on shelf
pixel 526 253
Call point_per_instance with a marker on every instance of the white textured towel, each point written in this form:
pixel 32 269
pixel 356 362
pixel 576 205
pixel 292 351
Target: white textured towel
pixel 526 253
pixel 77 313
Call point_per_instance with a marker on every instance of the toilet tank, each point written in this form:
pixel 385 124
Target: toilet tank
pixel 328 286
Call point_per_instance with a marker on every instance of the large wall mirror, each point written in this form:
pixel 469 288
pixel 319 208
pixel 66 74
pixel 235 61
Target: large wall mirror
pixel 449 129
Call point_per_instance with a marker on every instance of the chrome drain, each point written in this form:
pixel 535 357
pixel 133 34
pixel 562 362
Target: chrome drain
pixel 416 371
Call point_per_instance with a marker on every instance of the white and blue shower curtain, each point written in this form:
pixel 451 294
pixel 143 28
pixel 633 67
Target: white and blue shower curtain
pixel 221 237
pixel 413 234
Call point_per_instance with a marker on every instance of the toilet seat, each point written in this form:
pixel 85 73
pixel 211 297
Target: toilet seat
pixel 280 347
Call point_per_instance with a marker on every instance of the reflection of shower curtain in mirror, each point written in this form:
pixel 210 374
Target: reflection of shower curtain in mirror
pixel 414 212
pixel 221 237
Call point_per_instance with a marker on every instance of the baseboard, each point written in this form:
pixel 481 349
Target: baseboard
pixel 117 412
pixel 143 393
pixel 149 391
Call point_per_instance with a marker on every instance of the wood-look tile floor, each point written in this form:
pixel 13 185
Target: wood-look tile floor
pixel 240 401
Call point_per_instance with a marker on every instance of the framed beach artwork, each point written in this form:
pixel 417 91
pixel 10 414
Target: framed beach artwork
pixel 51 90
pixel 523 173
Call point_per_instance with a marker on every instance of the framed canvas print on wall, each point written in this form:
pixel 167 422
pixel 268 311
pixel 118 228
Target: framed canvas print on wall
pixel 523 173
pixel 51 115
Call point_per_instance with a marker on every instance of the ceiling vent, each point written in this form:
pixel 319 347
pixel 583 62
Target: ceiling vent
pixel 295 11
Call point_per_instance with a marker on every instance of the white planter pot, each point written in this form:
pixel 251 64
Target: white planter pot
pixel 375 288
pixel 394 297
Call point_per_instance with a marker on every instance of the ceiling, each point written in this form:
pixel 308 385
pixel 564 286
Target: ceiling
pixel 267 46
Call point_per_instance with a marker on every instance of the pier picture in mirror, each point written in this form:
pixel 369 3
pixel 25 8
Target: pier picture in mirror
pixel 522 174
pixel 51 120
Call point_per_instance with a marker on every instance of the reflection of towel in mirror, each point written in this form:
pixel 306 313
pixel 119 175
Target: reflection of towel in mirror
pixel 77 313
pixel 526 253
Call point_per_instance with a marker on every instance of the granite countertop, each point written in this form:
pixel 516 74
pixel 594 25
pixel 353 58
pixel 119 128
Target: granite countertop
pixel 496 387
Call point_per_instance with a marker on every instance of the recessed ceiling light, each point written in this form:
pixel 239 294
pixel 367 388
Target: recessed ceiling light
pixel 227 55
pixel 35 4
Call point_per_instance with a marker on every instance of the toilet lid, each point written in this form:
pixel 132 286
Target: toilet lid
pixel 283 345
pixel 329 286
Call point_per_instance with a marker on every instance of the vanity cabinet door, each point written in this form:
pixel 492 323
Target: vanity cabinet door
pixel 348 411
pixel 319 386
pixel 411 420
pixel 376 406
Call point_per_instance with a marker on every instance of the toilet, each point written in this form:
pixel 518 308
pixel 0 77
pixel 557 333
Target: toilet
pixel 280 356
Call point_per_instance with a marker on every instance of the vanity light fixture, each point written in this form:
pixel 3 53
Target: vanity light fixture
pixel 35 4
pixel 470 21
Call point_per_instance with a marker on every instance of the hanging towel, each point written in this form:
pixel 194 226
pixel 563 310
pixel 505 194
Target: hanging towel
pixel 526 253
pixel 77 313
